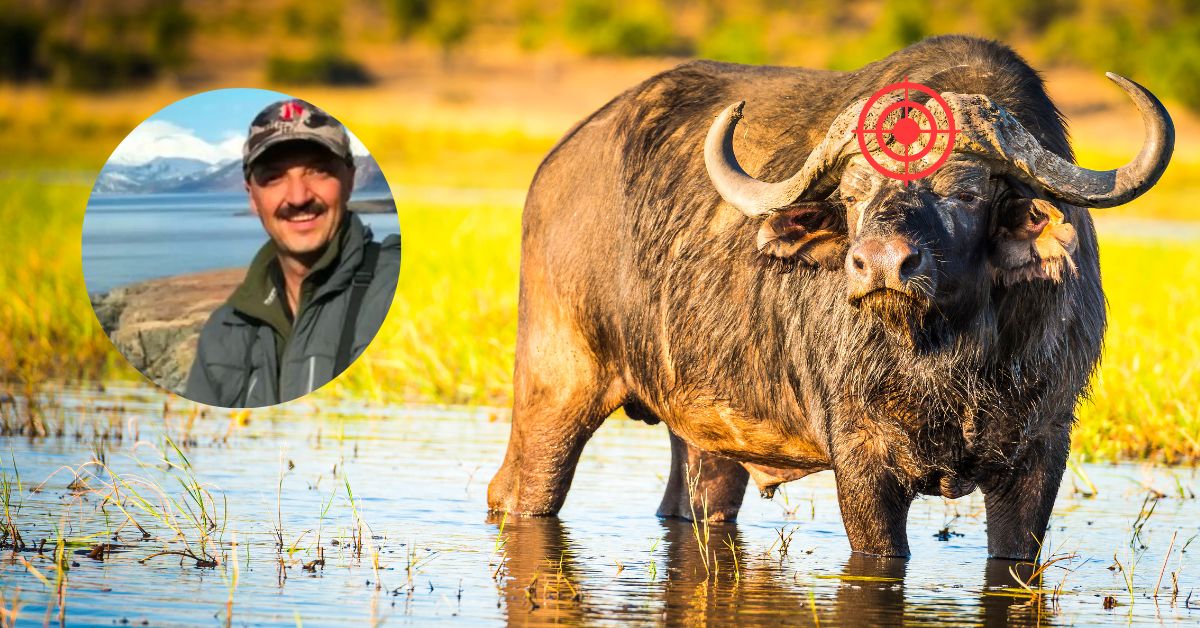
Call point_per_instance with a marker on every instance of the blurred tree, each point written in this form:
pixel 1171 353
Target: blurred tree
pixel 96 45
pixel 295 20
pixel 624 29
pixel 737 41
pixel 736 34
pixel 328 64
pixel 1022 17
pixel 532 26
pixel 1176 58
pixel 904 22
pixel 410 16
pixel 897 24
pixel 451 25
pixel 21 32
pixel 100 44
pixel 170 34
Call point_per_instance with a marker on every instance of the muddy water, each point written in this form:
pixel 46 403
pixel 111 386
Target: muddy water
pixel 418 480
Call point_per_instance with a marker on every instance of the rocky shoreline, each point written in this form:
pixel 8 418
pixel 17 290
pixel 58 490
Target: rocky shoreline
pixel 155 324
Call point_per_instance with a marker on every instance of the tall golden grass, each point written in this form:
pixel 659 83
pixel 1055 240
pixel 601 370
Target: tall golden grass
pixel 1146 397
pixel 450 335
pixel 47 327
pixel 451 332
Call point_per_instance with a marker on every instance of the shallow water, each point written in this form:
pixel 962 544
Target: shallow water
pixel 418 477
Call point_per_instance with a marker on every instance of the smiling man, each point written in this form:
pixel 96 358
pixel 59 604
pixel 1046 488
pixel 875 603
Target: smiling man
pixel 317 291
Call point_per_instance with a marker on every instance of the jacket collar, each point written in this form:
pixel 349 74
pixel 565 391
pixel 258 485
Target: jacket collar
pixel 261 293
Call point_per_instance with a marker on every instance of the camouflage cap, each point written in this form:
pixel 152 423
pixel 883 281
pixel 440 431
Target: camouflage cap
pixel 289 120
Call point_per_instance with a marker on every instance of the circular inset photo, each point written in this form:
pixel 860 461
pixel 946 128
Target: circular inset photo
pixel 241 248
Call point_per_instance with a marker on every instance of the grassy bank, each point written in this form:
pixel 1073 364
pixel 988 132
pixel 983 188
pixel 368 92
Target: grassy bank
pixel 450 335
pixel 451 332
pixel 1146 399
pixel 47 327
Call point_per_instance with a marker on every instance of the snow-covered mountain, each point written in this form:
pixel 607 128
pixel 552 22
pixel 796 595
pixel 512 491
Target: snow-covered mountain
pixel 119 178
pixel 183 175
pixel 368 177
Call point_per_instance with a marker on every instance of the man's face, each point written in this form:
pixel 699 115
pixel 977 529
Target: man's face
pixel 299 191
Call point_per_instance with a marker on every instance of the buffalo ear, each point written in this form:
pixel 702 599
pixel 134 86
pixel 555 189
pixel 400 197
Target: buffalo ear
pixel 813 234
pixel 1032 241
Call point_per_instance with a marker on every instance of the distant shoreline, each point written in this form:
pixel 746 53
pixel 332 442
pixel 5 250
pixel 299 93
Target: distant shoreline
pixel 373 206
pixel 368 206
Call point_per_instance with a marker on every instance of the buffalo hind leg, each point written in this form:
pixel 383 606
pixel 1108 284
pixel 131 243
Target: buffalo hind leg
pixel 718 488
pixel 1019 503
pixel 543 451
pixel 560 397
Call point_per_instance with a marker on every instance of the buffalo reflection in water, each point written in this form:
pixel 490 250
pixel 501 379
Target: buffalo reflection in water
pixel 547 578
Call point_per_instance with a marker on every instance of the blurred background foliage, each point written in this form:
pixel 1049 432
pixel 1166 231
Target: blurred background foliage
pixel 94 45
pixel 460 100
pixel 109 44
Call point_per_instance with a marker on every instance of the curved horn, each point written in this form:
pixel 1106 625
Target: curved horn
pixel 757 198
pixel 992 131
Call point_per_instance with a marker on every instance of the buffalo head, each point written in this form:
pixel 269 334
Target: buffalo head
pixel 993 213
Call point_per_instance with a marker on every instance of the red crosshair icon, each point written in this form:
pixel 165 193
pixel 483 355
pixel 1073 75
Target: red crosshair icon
pixel 907 131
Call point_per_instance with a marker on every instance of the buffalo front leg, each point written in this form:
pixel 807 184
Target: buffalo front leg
pixel 1019 502
pixel 702 484
pixel 873 500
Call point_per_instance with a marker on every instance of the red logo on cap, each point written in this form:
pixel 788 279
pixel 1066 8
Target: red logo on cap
pixel 291 109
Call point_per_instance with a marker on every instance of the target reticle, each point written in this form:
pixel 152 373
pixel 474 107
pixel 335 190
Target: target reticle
pixel 906 131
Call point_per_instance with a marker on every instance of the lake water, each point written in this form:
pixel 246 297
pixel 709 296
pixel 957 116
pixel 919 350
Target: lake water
pixel 131 238
pixel 416 479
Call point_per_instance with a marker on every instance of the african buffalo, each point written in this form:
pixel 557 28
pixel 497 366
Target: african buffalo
pixel 927 338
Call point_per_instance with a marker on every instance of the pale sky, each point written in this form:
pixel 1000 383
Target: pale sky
pixel 210 126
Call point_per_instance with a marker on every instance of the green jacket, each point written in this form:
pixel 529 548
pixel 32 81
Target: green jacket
pixel 251 354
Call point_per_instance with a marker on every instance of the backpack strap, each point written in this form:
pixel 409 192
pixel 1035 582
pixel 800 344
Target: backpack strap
pixel 243 394
pixel 358 289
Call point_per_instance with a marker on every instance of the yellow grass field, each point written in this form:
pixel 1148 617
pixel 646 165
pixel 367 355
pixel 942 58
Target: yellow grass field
pixel 450 335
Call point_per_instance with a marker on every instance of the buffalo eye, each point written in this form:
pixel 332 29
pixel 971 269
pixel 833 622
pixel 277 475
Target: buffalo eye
pixel 850 199
pixel 966 197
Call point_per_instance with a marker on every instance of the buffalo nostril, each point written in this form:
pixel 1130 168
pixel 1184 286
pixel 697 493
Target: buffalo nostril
pixel 859 262
pixel 911 264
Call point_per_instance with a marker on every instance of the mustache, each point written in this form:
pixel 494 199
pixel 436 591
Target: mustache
pixel 287 210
